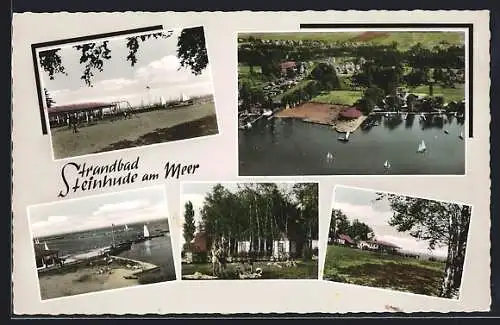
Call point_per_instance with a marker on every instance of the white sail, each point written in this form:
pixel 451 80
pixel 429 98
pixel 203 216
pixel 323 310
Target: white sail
pixel 461 136
pixel 126 228
pixel 184 97
pixel 45 246
pixel 162 100
pixel 387 164
pixel 146 231
pixel 422 147
pixel 347 135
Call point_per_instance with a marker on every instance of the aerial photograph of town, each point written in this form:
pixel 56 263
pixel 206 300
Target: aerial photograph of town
pixel 347 103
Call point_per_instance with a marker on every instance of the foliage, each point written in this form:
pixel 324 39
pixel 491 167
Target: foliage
pixel 93 55
pixel 356 229
pixel 189 226
pixel 49 102
pixel 191 49
pixel 440 224
pixel 326 76
pixel 260 213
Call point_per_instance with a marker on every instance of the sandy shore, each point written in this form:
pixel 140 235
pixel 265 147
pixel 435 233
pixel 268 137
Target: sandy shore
pixel 325 114
pixel 96 275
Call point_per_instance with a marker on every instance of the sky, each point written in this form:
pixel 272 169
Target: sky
pixel 360 204
pixel 157 67
pixel 100 211
pixel 196 192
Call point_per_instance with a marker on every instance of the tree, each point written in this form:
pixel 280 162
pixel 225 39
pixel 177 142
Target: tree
pixel 48 99
pixel 189 226
pixel 191 51
pixel 339 224
pixel 326 76
pixel 359 230
pixel 371 97
pixel 439 223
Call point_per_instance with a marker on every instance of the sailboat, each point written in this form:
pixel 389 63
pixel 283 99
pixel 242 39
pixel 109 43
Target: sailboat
pixel 37 241
pixel 146 232
pixel 387 164
pixel 45 246
pixel 126 228
pixel 345 138
pixel 329 157
pixel 184 98
pixel 461 136
pixel 421 147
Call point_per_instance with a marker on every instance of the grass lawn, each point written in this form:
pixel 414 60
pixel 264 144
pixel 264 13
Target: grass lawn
pixel 340 97
pixel 142 129
pixel 373 269
pixel 303 270
pixel 449 94
pixel 299 85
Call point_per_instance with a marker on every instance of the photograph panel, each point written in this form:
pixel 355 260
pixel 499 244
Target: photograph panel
pixel 397 242
pixel 352 102
pixel 249 231
pixel 102 242
pixel 106 94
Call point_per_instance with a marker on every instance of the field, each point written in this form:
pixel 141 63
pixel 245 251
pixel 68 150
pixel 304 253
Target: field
pixel 449 94
pixel 142 129
pixel 404 39
pixel 339 97
pixel 373 269
pixel 303 270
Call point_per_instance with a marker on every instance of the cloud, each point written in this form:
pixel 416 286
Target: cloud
pixel 119 207
pixel 364 213
pixel 155 69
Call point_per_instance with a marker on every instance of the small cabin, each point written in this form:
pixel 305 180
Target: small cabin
pixel 284 248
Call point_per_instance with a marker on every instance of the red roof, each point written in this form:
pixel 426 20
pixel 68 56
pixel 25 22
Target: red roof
pixel 78 107
pixel 347 238
pixel 199 242
pixel 351 113
pixel 287 64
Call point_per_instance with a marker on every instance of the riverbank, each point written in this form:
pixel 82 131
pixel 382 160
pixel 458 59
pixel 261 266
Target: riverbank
pixel 325 114
pixel 92 275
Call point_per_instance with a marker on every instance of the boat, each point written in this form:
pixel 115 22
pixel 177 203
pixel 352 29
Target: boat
pixel 329 156
pixel 345 138
pixel 126 228
pixel 422 116
pixel 446 131
pixel 422 147
pixel 461 135
pixel 405 116
pixel 45 246
pixel 387 164
pixel 268 113
pixel 145 235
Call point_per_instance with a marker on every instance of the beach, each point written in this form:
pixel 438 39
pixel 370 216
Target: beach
pixel 91 275
pixel 326 114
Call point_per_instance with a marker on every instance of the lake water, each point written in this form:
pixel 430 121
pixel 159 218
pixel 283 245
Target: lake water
pixel 83 244
pixel 282 147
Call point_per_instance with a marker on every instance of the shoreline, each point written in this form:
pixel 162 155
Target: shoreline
pixel 323 114
pixel 92 275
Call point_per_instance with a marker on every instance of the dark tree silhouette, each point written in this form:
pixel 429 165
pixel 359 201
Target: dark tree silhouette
pixel 189 226
pixel 441 224
pixel 49 101
pixel 190 49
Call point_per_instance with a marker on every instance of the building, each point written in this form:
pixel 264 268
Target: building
pixel 286 66
pixel 345 240
pixel 378 245
pixel 199 243
pixel 350 113
pixel 284 248
pixel 61 115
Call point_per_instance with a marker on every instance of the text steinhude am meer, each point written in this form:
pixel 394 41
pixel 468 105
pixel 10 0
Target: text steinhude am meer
pixel 83 177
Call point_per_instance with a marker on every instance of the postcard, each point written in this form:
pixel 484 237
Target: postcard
pixel 251 162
